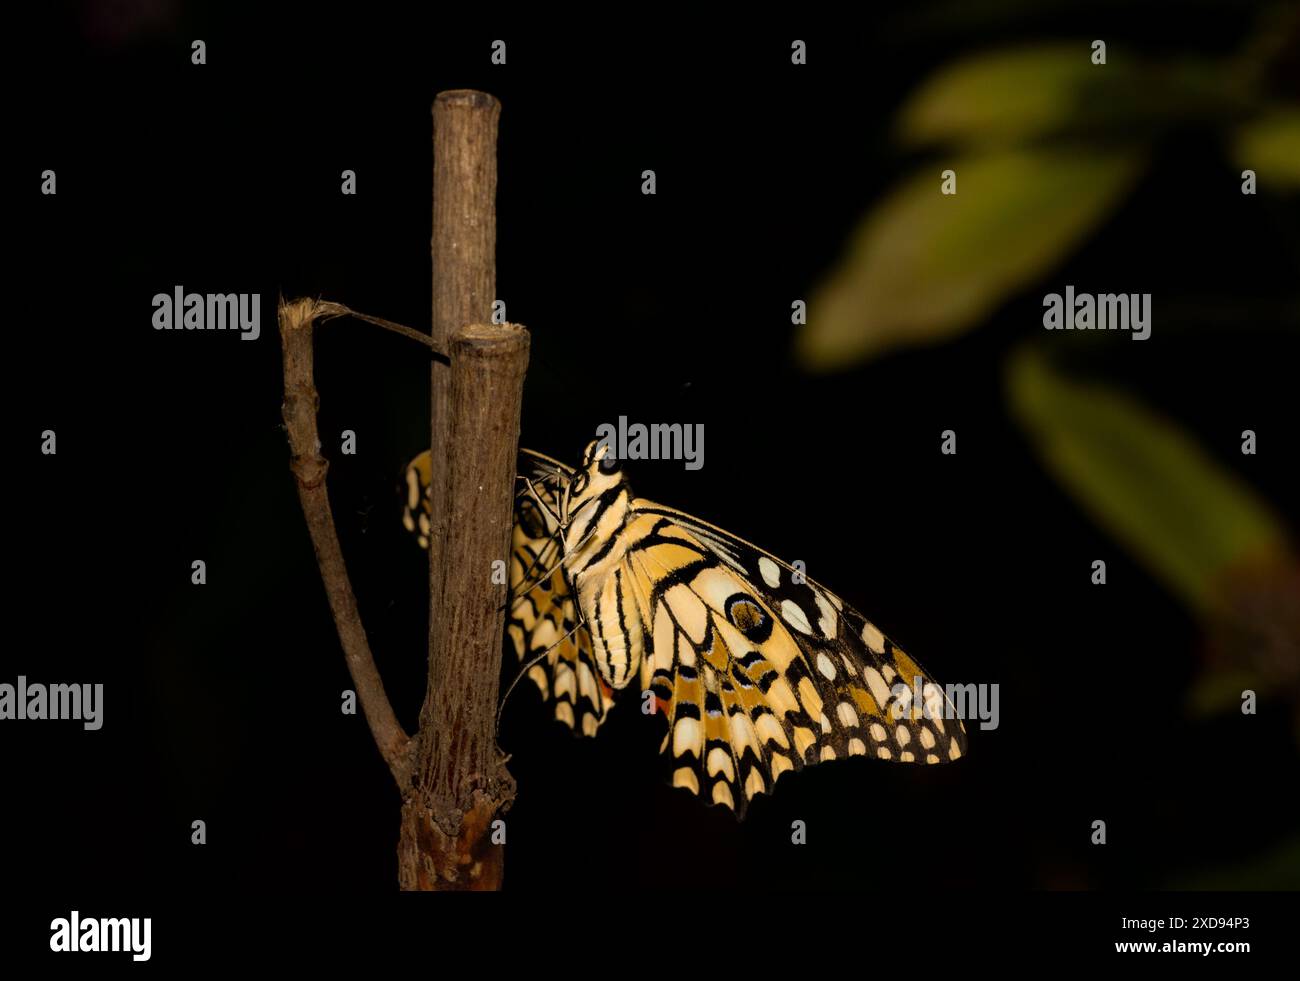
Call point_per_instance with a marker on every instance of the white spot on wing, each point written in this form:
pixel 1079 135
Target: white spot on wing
pixel 769 730
pixel 720 762
pixel 770 572
pixel 827 621
pixel 879 690
pixel 780 764
pixel 795 616
pixel 685 777
pixel 564 682
pixel 688 736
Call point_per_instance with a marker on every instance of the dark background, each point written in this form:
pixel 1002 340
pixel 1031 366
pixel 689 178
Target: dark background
pixel 222 701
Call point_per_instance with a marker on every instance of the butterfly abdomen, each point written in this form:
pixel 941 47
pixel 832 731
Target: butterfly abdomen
pixel 613 603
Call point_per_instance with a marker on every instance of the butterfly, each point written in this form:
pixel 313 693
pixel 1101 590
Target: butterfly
pixel 758 670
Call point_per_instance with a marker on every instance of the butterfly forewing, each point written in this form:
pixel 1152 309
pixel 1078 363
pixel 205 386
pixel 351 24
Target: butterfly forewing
pixel 760 671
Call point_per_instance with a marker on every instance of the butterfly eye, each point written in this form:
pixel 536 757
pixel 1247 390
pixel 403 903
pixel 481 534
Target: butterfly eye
pixel 609 463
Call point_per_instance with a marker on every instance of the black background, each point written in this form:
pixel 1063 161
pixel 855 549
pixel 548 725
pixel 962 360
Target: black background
pixel 222 701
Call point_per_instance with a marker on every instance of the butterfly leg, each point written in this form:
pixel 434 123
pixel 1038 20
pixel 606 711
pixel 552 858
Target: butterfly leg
pixel 549 572
pixel 530 664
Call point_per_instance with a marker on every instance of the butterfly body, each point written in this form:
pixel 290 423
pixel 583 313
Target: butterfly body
pixel 757 670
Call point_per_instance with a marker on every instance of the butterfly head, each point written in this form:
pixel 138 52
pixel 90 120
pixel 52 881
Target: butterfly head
pixel 600 454
pixel 600 476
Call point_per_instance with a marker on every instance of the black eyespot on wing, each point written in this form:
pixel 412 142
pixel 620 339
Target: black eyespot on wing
pixel 744 613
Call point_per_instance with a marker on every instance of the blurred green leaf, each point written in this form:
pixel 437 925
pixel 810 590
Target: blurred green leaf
pixel 1277 868
pixel 1270 146
pixel 1054 90
pixel 924 266
pixel 998 95
pixel 1187 519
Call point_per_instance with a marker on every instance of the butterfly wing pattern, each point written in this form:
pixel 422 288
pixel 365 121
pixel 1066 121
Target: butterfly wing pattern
pixel 761 671
pixel 758 670
pixel 543 612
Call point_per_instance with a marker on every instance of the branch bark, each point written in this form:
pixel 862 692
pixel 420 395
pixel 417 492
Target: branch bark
pixel 463 247
pixel 452 775
pixel 460 783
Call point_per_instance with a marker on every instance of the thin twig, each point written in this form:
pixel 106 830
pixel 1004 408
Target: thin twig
pixel 301 402
pixel 326 310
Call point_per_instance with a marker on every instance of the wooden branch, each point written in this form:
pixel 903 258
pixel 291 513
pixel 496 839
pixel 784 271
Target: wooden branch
pixel 463 247
pixel 460 780
pixel 309 467
pixel 452 775
pixel 460 783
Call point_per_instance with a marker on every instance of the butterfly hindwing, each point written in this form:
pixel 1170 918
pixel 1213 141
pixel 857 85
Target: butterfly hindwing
pixel 543 610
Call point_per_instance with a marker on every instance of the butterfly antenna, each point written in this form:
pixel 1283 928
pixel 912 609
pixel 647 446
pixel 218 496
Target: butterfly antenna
pixel 512 602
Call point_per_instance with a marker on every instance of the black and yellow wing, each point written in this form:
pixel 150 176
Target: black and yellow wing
pixel 543 613
pixel 760 671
